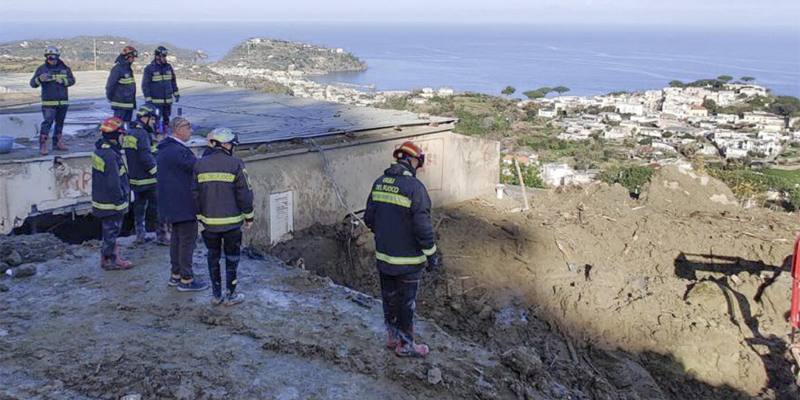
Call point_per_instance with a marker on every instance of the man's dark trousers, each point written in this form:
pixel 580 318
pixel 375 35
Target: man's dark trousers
pixel 144 200
pixel 184 235
pixel 231 242
pixel 399 293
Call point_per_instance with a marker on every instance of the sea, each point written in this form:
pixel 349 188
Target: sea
pixel 486 58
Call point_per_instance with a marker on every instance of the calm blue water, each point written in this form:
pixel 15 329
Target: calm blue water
pixel 486 58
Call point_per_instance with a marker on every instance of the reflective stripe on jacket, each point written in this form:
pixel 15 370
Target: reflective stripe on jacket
pixel 140 154
pixel 398 212
pixel 222 191
pixel 54 90
pixel 110 190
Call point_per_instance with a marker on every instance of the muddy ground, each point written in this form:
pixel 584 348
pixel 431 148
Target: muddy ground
pixel 681 294
pixel 73 331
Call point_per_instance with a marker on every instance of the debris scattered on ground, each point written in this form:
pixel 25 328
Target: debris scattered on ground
pixel 675 295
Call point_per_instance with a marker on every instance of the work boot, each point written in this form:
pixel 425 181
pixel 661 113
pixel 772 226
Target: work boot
pixel 412 350
pixel 111 264
pixel 217 300
pixel 141 236
pixel 58 144
pixel 120 262
pixel 233 299
pixel 391 339
pixel 43 145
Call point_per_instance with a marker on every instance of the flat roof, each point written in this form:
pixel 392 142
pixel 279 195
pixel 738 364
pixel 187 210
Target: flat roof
pixel 257 117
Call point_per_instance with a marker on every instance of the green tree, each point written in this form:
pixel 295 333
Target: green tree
pixel 508 90
pixel 538 93
pixel 785 105
pixel 725 78
pixel 747 79
pixel 676 83
pixel 711 106
pixel 561 90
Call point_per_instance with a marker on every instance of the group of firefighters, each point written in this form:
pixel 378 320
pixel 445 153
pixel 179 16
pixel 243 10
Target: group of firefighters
pixel 143 159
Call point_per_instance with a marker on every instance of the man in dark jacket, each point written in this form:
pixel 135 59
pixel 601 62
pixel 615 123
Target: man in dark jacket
pixel 224 201
pixel 398 212
pixel 54 77
pixel 176 204
pixel 160 85
pixel 110 191
pixel 121 85
pixel 140 150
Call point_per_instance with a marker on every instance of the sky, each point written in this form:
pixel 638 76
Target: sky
pixel 700 13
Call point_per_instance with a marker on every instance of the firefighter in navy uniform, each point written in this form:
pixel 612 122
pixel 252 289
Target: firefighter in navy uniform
pixel 140 152
pixel 159 84
pixel 54 77
pixel 121 85
pixel 398 212
pixel 110 191
pixel 224 201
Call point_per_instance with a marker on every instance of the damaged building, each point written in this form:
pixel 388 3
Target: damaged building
pixel 309 161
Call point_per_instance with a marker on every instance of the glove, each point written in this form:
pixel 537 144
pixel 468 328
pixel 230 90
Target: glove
pixel 44 77
pixel 435 262
pixel 177 98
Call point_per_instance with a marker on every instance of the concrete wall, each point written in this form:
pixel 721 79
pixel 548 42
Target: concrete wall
pixel 458 168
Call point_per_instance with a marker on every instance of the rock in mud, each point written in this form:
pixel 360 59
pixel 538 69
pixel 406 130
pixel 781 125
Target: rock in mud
pixel 434 376
pixel 704 292
pixel 3 288
pixel 14 258
pixel 524 360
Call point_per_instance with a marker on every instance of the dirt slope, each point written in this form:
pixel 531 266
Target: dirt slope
pixel 681 294
pixel 75 332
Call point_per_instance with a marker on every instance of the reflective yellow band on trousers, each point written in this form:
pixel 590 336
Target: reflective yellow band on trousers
pixel 55 103
pixel 215 177
pixel 142 182
pixel 161 101
pixel 122 105
pixel 220 221
pixel 109 207
pixel 391 198
pixel 400 260
pixel 249 215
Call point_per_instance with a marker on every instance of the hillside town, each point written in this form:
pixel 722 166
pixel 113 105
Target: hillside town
pixel 667 125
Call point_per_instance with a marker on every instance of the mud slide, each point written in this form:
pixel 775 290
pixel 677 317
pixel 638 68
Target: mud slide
pixel 681 294
pixel 73 331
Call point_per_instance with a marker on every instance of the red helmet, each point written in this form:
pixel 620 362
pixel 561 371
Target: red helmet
pixel 409 149
pixel 129 51
pixel 112 125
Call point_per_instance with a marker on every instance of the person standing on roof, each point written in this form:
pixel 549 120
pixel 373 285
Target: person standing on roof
pixel 160 85
pixel 140 151
pixel 121 85
pixel 399 213
pixel 176 206
pixel 224 200
pixel 110 191
pixel 54 77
